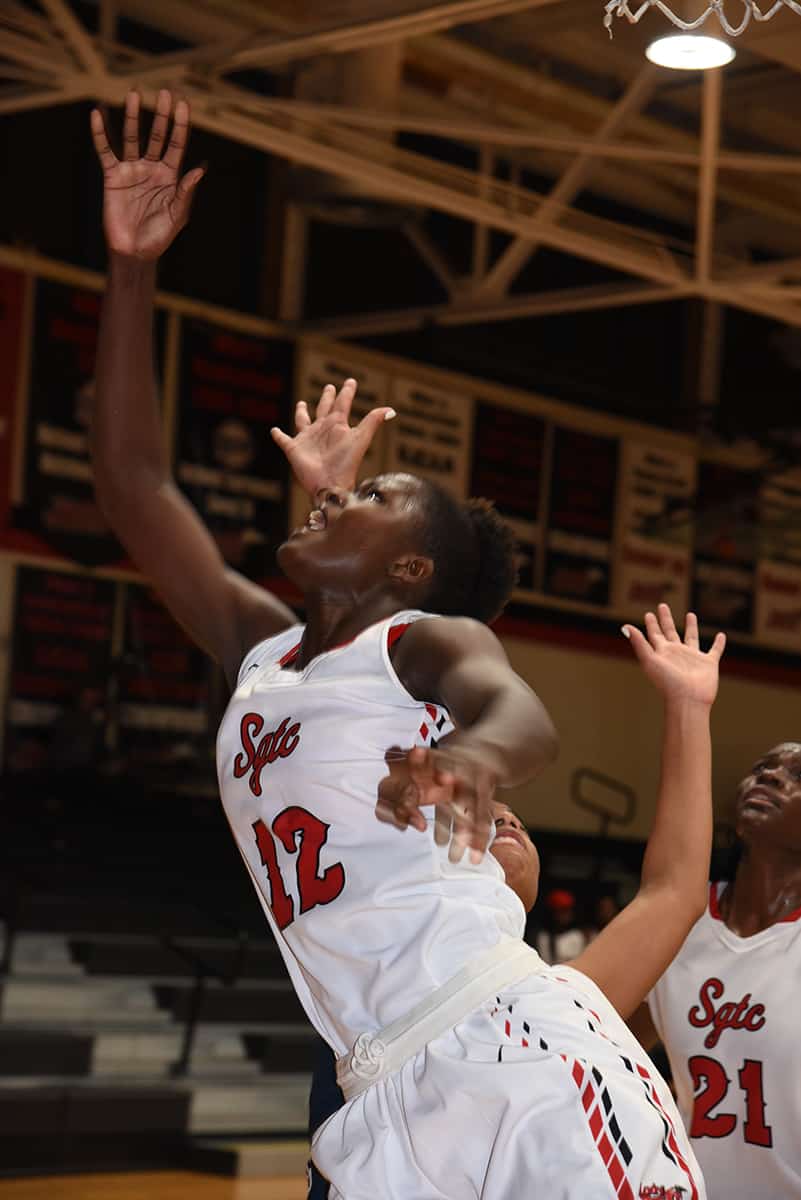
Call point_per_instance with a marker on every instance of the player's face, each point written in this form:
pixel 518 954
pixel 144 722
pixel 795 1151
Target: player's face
pixel 348 545
pixel 768 803
pixel 517 854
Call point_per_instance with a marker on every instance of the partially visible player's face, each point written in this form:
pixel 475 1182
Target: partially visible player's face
pixel 768 802
pixel 349 544
pixel 517 854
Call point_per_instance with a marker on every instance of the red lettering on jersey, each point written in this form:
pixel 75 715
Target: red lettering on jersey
pixel 277 743
pixel 742 1015
pixel 655 1191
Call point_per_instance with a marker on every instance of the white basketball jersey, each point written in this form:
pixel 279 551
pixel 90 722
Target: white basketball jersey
pixel 370 919
pixel 727 1010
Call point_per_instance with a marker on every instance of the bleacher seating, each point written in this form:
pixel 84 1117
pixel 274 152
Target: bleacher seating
pixel 107 934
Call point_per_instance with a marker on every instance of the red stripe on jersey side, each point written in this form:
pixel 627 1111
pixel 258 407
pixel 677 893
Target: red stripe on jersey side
pixel 672 1140
pixel 607 1152
pixel 432 711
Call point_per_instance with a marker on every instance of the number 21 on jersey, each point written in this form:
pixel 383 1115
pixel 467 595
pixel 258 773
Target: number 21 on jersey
pixel 304 835
pixel 710 1085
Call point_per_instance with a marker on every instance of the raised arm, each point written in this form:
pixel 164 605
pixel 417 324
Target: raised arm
pixel 145 205
pixel 631 953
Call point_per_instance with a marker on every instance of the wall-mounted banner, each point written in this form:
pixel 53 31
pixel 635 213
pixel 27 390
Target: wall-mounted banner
pixel 655 528
pixel 726 537
pixel 233 389
pixel 778 597
pixel 508 451
pixel 431 435
pixel 581 518
pixel 12 295
pixel 778 605
pixel 60 668
pixel 163 680
pixel 316 369
pixel 58 499
pixel 780 517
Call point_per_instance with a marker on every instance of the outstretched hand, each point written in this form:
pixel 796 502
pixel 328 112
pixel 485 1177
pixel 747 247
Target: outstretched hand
pixel 461 788
pixel 146 201
pixel 680 670
pixel 328 451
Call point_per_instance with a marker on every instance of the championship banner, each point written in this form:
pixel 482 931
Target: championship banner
pixel 431 435
pixel 12 296
pixel 726 532
pixel 655 528
pixel 778 592
pixel 316 369
pixel 58 499
pixel 163 679
pixel 233 389
pixel 61 658
pixel 581 518
pixel 508 453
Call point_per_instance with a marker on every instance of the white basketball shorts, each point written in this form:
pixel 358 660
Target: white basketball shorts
pixel 542 1093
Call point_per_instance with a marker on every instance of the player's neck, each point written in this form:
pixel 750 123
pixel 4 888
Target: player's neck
pixel 766 888
pixel 333 622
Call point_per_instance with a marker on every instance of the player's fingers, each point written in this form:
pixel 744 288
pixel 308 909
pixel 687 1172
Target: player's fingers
pixel 108 158
pixel 442 826
pixel 302 418
pixel 282 440
pixel 326 401
pixel 130 127
pixel 667 624
pixel 482 818
pixel 158 130
pixel 179 137
pixel 717 647
pixel 639 643
pixel 461 832
pixel 344 397
pixel 653 631
pixel 370 423
pixel 185 192
pixel 691 630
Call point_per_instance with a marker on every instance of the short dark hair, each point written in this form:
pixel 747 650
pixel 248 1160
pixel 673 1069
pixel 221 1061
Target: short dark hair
pixel 474 554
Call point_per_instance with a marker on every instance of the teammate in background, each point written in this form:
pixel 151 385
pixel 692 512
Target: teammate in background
pixel 469 1066
pixel 726 1009
pixel 561 939
pixel 514 850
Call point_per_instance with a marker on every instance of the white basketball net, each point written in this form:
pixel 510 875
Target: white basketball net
pixel 623 8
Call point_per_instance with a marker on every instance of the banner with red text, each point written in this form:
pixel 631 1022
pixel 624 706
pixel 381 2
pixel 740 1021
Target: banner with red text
pixel 655 528
pixel 581 516
pixel 233 388
pixel 60 665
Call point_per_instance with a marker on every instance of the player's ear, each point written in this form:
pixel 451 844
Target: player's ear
pixel 413 569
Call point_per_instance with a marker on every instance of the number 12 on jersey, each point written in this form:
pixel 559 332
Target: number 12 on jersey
pixel 709 1071
pixel 303 834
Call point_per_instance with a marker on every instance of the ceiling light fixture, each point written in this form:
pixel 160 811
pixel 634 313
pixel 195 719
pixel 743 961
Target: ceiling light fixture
pixel 689 52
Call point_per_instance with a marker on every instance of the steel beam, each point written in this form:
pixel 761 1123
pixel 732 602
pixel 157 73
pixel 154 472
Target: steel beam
pixel 707 176
pixel 75 36
pixel 571 183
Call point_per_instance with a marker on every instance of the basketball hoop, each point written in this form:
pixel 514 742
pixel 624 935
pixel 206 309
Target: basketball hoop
pixel 750 9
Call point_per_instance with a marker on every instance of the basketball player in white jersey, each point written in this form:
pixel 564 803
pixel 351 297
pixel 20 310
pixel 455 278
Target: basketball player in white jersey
pixel 727 1008
pixel 470 1068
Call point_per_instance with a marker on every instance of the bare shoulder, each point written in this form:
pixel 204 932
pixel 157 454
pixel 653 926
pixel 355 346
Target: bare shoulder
pixel 432 648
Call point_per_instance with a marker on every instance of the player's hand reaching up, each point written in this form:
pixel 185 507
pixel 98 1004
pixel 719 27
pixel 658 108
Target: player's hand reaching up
pixel 327 452
pixel 680 670
pixel 460 786
pixel 146 201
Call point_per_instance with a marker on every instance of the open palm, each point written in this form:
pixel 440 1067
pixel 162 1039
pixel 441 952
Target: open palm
pixel 328 451
pixel 678 669
pixel 145 202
